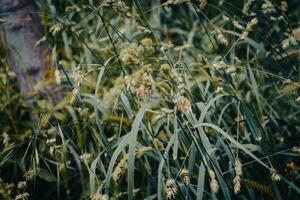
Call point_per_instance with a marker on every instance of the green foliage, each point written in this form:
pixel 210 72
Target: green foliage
pixel 162 99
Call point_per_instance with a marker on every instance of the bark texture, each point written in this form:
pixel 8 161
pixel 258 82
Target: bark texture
pixel 21 30
pixel 9 5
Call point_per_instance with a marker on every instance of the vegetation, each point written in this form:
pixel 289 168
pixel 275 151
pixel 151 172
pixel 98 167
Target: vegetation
pixel 177 99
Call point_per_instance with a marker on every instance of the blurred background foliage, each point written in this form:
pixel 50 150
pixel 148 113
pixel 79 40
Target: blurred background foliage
pixel 153 88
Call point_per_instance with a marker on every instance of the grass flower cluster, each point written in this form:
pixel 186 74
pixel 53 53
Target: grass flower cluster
pixel 177 99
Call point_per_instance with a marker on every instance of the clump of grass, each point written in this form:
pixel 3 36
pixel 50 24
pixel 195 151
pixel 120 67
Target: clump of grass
pixel 163 100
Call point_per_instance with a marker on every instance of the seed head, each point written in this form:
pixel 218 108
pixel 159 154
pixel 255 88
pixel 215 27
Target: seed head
pixel 174 2
pixel 296 149
pixel 214 186
pixel 165 68
pixel 284 6
pixel 237 184
pixel 22 196
pixel 221 37
pixel 249 27
pixel 202 4
pixel 237 25
pixel 219 65
pixel 251 24
pixel 183 105
pixel 120 7
pixel 5 139
pixel 120 168
pixel 158 144
pixel 140 91
pixel 143 150
pixel 29 175
pixel 87 157
pixel 231 70
pixel 73 95
pixel 51 141
pixel 148 44
pixel 225 18
pixel 22 185
pixel 171 188
pixel 144 29
pixel 274 175
pixel 185 175
pixel 247 5
pixel 238 168
pixel 55 150
pixel 39 42
pixel 130 53
pixel 166 46
pixel 57 77
pixel 268 7
pixel 98 196
pixel 219 89
pixel 55 29
pixel 237 178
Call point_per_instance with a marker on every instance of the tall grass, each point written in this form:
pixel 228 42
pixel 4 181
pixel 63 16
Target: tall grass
pixel 169 99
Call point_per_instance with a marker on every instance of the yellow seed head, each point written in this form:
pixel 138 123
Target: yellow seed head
pixel 171 188
pixel 185 175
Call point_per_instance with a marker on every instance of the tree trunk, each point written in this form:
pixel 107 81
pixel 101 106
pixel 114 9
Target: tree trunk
pixel 22 30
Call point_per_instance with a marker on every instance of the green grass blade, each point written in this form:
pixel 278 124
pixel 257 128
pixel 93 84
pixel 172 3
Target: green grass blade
pixel 132 143
pixel 201 179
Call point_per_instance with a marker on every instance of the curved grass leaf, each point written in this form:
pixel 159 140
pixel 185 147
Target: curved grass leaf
pixel 132 143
